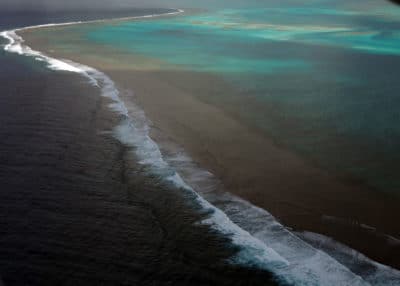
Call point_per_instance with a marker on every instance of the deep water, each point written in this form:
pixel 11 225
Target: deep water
pixel 80 208
pixel 75 208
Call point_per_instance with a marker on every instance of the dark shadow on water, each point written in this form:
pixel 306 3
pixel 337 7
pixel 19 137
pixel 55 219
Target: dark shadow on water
pixel 74 210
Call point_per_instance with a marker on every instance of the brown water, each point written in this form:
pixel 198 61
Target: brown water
pixel 249 163
pixel 75 208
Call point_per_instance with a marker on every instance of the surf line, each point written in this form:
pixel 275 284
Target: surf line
pixel 133 131
pixel 145 148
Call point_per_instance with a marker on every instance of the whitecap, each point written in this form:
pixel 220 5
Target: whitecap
pixel 263 241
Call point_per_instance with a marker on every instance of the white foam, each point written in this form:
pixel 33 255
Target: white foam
pixel 263 241
pixel 134 132
pixel 307 265
pixel 16 45
pixel 372 271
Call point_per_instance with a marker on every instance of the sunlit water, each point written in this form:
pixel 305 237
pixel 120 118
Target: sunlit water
pixel 321 81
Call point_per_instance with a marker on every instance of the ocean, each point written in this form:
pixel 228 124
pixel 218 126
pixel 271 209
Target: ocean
pixel 320 71
pixel 104 200
pixel 75 209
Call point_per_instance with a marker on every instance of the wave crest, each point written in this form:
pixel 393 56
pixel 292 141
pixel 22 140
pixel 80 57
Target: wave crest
pixel 264 242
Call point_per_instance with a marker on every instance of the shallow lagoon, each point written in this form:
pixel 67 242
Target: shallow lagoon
pixel 321 81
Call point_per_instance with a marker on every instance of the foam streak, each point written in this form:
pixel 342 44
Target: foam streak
pixel 262 240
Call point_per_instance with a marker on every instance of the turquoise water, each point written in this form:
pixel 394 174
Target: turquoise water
pixel 321 78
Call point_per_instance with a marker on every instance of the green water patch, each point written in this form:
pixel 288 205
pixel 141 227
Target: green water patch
pixel 321 81
pixel 187 44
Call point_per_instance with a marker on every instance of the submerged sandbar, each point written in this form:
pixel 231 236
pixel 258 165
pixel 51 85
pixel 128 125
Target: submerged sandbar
pixel 247 161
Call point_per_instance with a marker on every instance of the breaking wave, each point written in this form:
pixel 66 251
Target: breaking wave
pixel 262 240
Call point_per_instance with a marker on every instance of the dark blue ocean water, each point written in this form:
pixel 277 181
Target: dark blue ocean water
pixel 74 207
